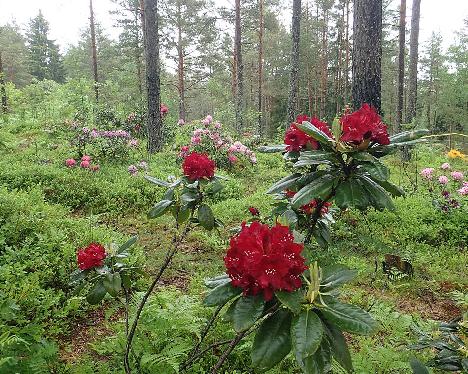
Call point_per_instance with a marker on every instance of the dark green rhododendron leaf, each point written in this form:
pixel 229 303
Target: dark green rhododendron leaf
pixel 319 188
pixel 206 217
pixel 126 280
pixel 221 294
pixel 182 214
pixel 378 196
pixel 157 181
pixel 272 341
pixel 390 188
pixel 272 148
pixel 188 197
pixel 376 169
pixel 306 334
pixel 217 281
pixel 339 347
pixel 291 300
pixel 215 187
pixel 320 361
pixel 418 367
pixel 288 218
pixel 349 194
pixel 315 158
pixel 284 183
pixel 317 134
pixel 113 283
pixel 127 244
pixel 406 136
pixel 97 293
pixel 160 208
pixel 247 311
pixel 334 276
pixel 348 317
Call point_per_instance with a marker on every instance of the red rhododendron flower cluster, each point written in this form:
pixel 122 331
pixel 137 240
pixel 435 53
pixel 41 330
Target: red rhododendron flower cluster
pixel 298 140
pixel 91 256
pixel 364 124
pixel 262 260
pixel 198 166
pixel 254 211
pixel 310 207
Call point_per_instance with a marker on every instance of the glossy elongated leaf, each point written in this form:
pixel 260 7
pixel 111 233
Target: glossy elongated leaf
pixel 97 293
pixel 390 188
pixel 160 208
pixel 215 187
pixel 334 276
pixel 376 169
pixel 362 156
pixel 317 134
pixel 378 196
pixel 272 341
pixel 217 281
pixel 291 300
pixel 206 217
pixel 321 233
pixel 284 183
pixel 182 214
pixel 112 283
pixel 314 158
pixel 408 135
pixel 222 294
pixel 418 367
pixel 157 181
pixel 306 334
pixel 247 311
pixel 319 188
pixel 348 317
pixel 272 148
pixel 188 197
pixel 350 193
pixel 320 361
pixel 288 218
pixel 127 244
pixel 339 347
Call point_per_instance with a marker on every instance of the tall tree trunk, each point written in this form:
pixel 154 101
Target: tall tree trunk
pixel 324 62
pixel 413 63
pixel 310 96
pixel 2 87
pixel 180 65
pixel 294 77
pixel 260 67
pixel 339 69
pixel 401 66
pixel 137 50
pixel 154 119
pixel 367 53
pixel 239 69
pixel 93 50
pixel 346 69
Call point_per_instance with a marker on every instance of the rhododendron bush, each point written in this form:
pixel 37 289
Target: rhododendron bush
pixel 211 138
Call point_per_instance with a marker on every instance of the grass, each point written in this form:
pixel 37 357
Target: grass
pixel 114 204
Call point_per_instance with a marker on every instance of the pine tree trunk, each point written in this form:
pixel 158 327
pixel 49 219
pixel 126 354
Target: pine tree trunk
pixel 260 67
pixel 239 69
pixel 93 50
pixel 294 77
pixel 154 119
pixel 180 66
pixel 2 86
pixel 346 69
pixel 324 64
pixel 413 63
pixel 401 66
pixel 367 53
pixel 310 96
pixel 137 52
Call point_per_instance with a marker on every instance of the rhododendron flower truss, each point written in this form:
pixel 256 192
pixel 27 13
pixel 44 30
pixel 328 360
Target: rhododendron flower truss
pixel 299 316
pixel 262 260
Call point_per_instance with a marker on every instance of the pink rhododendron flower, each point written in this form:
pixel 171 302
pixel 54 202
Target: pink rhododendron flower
pixel 195 140
pixel 133 143
pixel 181 122
pixel 443 179
pixel 445 166
pixel 86 158
pixel 427 173
pixel 70 162
pixel 233 159
pixel 457 175
pixel 463 191
pixel 143 165
pixel 217 125
pixel 85 130
pixel 84 164
pixel 133 170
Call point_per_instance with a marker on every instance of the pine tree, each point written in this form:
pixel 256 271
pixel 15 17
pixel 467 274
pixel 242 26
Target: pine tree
pixel 401 66
pixel 93 50
pixel 294 74
pixel 239 68
pixel 3 93
pixel 45 61
pixel 413 63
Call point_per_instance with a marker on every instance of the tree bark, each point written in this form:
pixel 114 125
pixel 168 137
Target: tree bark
pixel 324 62
pixel 401 66
pixel 367 53
pixel 93 50
pixel 3 87
pixel 294 77
pixel 180 66
pixel 154 119
pixel 239 99
pixel 137 50
pixel 260 67
pixel 346 69
pixel 413 62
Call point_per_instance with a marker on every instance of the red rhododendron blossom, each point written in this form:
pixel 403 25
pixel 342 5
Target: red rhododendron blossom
pixel 310 207
pixel 364 124
pixel 198 166
pixel 289 193
pixel 322 126
pixel 297 140
pixel 262 260
pixel 91 256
